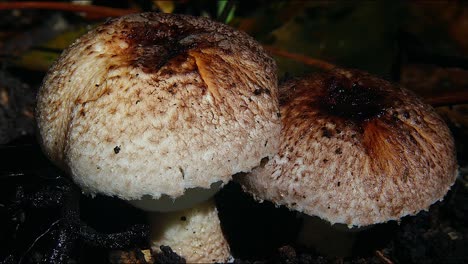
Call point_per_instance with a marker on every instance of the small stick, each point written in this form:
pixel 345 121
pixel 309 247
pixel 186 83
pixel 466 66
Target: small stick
pixel 300 58
pixel 382 257
pixel 447 98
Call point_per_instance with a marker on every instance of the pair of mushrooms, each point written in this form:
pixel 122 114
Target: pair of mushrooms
pixel 162 110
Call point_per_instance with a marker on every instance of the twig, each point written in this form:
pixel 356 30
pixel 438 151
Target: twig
pixel 382 257
pixel 300 58
pixel 447 98
pixel 92 11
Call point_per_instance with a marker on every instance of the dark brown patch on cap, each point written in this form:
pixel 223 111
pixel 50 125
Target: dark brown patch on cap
pixel 354 102
pixel 348 99
pixel 152 46
pixel 155 42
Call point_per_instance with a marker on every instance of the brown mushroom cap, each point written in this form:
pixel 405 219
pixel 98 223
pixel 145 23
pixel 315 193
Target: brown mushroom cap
pixel 151 104
pixel 356 150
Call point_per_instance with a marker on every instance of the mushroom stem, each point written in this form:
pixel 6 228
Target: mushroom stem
pixel 330 240
pixel 194 233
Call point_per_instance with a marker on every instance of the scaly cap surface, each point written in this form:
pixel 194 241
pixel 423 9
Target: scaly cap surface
pixel 151 104
pixel 356 150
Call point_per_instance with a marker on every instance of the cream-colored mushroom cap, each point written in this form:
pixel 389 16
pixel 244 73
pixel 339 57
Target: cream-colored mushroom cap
pixel 356 150
pixel 152 104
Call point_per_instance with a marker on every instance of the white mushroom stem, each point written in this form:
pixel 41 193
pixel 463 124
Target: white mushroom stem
pixel 330 240
pixel 189 224
pixel 194 233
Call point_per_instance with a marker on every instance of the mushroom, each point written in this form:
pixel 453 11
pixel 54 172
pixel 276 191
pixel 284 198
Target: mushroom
pixel 161 110
pixel 355 150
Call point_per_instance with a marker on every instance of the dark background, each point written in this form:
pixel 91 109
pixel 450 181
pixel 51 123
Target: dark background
pixel 420 45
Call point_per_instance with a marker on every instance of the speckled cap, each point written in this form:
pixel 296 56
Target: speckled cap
pixel 151 104
pixel 356 150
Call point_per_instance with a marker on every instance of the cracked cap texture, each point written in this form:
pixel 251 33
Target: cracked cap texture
pixel 152 104
pixel 356 150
